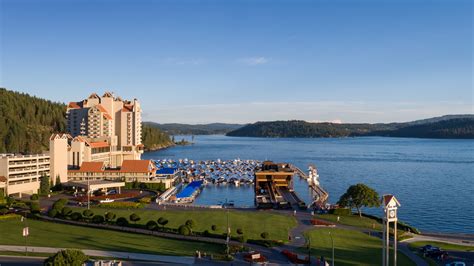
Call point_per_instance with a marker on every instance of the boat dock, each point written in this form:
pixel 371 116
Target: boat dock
pixel 274 187
pixel 319 195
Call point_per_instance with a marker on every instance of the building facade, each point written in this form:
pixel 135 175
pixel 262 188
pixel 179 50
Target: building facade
pixel 104 129
pixel 20 174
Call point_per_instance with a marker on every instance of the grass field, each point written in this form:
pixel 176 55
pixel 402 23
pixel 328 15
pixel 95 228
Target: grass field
pixel 353 220
pixel 350 247
pixel 49 234
pixel 253 223
pixel 441 245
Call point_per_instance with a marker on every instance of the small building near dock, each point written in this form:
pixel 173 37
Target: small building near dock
pixel 169 176
pixel 271 181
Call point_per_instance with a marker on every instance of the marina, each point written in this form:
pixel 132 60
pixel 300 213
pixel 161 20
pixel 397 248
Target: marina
pixel 271 183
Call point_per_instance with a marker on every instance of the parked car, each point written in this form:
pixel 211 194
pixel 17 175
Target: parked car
pixel 439 255
pixel 456 263
pixel 428 249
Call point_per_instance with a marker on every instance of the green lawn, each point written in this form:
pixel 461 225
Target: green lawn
pixel 441 245
pixel 253 223
pixel 49 234
pixel 350 247
pixel 353 220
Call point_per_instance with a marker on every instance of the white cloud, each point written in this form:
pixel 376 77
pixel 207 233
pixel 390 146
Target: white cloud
pixel 253 61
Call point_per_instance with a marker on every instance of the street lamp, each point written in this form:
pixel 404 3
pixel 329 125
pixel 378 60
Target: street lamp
pixel 332 241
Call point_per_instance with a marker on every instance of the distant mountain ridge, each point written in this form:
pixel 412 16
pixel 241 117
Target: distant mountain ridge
pixel 198 129
pixel 449 126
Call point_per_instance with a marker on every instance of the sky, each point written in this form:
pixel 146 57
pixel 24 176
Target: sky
pixel 246 61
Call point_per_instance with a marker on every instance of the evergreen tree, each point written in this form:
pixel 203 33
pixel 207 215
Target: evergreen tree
pixel 44 185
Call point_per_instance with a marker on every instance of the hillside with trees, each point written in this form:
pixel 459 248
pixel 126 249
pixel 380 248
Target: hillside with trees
pixel 27 123
pixel 199 129
pixel 455 127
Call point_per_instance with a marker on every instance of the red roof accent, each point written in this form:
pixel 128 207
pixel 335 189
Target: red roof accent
pixel 75 105
pixel 3 179
pixel 140 166
pixel 107 116
pixel 101 144
pixel 95 167
pixel 127 108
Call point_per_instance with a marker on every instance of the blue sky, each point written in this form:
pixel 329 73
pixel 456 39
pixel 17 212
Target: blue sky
pixel 245 61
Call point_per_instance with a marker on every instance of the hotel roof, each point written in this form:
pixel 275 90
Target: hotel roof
pixel 137 166
pixel 92 167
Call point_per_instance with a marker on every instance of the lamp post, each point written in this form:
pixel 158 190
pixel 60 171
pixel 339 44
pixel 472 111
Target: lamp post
pixel 332 242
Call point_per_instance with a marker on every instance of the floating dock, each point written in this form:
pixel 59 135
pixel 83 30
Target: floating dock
pixel 274 187
pixel 319 195
pixel 189 193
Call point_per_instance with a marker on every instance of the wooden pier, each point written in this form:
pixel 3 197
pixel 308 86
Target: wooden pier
pixel 320 196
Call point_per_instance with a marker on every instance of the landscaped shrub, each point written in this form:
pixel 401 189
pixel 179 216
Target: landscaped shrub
pixel 184 230
pixel 134 217
pixel 67 257
pixel 53 213
pixel 266 243
pixel 162 221
pixel 98 219
pixel 240 231
pixel 3 211
pixel 190 223
pixel 88 214
pixel 151 225
pixel 241 238
pixel 110 216
pixel 122 221
pixel 34 197
pixel 341 211
pixel 264 235
pixel 214 227
pixel 35 207
pixel 76 216
pixel 59 204
pixel 66 211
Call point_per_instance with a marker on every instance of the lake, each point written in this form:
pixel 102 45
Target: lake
pixel 432 178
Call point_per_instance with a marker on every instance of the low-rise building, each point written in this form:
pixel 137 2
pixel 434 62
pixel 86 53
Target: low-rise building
pixel 20 174
pixel 142 171
pixel 167 176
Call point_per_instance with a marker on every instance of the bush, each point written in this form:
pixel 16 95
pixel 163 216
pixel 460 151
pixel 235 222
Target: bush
pixel 3 211
pixel 59 204
pixel 341 211
pixel 190 223
pixel 214 227
pixel 264 235
pixel 35 207
pixel 98 219
pixel 162 221
pixel 67 257
pixel 122 221
pixel 151 225
pixel 110 216
pixel 66 211
pixel 240 231
pixel 88 214
pixel 53 213
pixel 184 230
pixel 241 238
pixel 76 216
pixel 34 197
pixel 134 217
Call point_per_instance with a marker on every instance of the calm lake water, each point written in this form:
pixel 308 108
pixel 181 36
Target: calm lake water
pixel 433 179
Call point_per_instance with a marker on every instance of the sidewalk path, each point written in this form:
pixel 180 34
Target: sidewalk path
pixel 111 254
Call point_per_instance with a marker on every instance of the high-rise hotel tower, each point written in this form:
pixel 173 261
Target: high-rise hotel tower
pixel 103 129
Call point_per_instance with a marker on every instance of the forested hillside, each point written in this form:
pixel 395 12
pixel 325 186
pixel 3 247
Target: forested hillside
pixel 457 126
pixel 27 123
pixel 200 129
